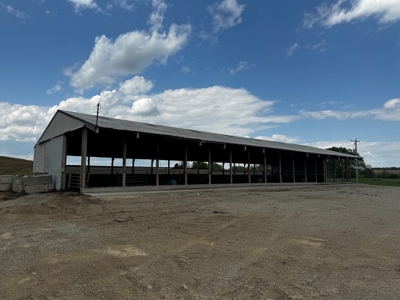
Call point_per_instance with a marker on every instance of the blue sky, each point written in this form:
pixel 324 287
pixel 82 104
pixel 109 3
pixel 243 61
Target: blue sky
pixel 320 73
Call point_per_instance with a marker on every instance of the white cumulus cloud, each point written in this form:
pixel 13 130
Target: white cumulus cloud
pixel 157 15
pixel 279 138
pixel 83 4
pixel 135 85
pixel 385 11
pixel 130 53
pixel 389 112
pixel 226 14
pixel 216 109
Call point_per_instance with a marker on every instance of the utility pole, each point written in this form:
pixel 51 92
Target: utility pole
pixel 356 153
pixel 97 116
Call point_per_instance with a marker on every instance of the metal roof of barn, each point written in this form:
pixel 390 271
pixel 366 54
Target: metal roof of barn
pixel 187 134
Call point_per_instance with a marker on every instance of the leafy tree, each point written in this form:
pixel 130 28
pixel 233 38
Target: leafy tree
pixel 216 167
pixel 367 173
pixel 201 165
pixel 352 163
pixel 204 165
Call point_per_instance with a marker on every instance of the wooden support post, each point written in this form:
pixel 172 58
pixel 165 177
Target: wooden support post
pixel 234 168
pixel 169 167
pixel 83 156
pixel 348 170
pixel 248 167
pixel 223 169
pixel 334 169
pixel 124 165
pixel 209 166
pixel 157 165
pixel 133 166
pixel 293 171
pixel 316 171
pixel 305 170
pixel 324 164
pixel 151 169
pixel 230 166
pixel 265 167
pixel 112 166
pixel 198 168
pixel 342 162
pixel 185 162
pixel 280 167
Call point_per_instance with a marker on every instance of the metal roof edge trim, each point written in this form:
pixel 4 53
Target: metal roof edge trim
pixel 321 151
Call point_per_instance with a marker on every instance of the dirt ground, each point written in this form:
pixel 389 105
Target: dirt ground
pixel 315 242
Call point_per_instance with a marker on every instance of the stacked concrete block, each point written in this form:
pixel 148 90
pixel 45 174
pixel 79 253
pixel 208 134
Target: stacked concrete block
pixel 5 182
pixel 32 185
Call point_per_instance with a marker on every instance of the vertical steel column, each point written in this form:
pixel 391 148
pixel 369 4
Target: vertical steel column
pixel 293 171
pixel 209 165
pixel 198 168
pixel 248 166
pixel 316 170
pixel 305 170
pixel 185 165
pixel 83 156
pixel 334 169
pixel 230 166
pixel 157 165
pixel 124 165
pixel 265 167
pixel 342 162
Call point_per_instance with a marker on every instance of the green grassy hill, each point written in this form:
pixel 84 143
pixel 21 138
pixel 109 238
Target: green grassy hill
pixel 15 166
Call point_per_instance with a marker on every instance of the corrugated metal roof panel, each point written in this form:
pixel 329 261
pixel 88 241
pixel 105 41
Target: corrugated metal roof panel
pixel 201 136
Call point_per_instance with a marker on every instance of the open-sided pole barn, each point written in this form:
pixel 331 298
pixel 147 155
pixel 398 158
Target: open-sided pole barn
pixel 86 136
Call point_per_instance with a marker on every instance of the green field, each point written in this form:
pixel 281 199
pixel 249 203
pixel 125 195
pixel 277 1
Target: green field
pixel 15 166
pixel 380 181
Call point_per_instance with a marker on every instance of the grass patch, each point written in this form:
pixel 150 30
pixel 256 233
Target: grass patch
pixel 15 166
pixel 381 181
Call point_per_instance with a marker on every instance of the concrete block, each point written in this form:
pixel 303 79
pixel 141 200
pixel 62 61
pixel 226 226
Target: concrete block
pixel 40 188
pixel 5 187
pixel 18 188
pixel 8 179
pixel 37 180
pixel 17 179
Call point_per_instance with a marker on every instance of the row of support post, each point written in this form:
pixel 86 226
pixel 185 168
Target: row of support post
pixel 84 171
